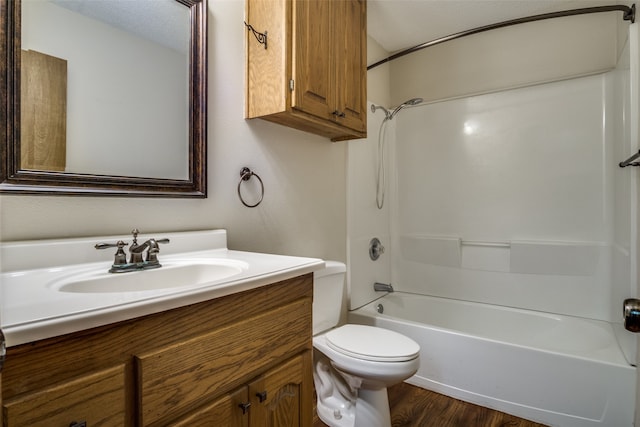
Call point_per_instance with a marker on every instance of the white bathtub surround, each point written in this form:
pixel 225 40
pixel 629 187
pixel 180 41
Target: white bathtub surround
pixel 554 369
pixel 512 203
pixel 367 221
pixel 509 197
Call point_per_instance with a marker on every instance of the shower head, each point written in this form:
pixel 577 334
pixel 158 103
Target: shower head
pixel 389 114
pixel 411 102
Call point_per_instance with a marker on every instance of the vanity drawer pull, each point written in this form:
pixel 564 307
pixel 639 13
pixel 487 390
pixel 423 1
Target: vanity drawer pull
pixel 78 424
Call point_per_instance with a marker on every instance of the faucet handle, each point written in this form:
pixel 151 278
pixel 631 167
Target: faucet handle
pixel 375 249
pixel 154 249
pixel 119 244
pixel 120 256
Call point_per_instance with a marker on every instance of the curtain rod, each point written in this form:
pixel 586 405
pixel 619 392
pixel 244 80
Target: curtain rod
pixel 629 14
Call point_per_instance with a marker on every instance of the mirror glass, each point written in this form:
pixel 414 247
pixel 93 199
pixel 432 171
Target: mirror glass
pixel 111 97
pixel 124 84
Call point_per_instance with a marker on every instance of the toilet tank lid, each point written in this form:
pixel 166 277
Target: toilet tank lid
pixel 330 267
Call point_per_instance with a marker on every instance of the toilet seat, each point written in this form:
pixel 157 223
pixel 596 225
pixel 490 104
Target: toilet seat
pixel 372 343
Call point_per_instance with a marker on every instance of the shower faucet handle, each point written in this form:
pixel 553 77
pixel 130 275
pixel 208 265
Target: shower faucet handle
pixel 375 249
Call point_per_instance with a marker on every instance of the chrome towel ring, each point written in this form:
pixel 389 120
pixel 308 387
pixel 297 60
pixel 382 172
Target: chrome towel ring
pixel 245 175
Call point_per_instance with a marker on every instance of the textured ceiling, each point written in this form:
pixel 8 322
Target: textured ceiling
pixel 162 21
pixel 394 24
pixel 399 24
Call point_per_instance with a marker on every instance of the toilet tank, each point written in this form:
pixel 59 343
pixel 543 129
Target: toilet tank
pixel 328 288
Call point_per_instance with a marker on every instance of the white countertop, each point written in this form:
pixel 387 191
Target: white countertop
pixel 33 309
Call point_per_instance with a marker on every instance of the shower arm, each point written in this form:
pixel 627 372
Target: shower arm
pixel 389 114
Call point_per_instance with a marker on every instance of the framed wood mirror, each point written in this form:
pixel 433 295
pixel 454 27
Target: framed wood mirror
pixel 175 108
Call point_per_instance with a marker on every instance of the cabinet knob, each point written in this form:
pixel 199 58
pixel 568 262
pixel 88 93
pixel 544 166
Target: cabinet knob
pixel 262 396
pixel 340 114
pixel 78 424
pixel 244 407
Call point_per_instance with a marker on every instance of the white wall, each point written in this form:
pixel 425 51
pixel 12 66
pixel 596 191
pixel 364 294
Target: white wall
pixel 304 208
pixel 509 57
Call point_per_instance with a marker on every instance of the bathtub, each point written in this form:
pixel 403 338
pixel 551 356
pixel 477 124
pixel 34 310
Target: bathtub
pixel 553 369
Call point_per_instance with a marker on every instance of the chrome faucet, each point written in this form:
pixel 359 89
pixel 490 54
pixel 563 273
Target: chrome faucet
pixel 382 287
pixel 137 250
pixel 136 259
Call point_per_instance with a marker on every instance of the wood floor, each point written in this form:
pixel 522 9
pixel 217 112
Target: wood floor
pixel 415 407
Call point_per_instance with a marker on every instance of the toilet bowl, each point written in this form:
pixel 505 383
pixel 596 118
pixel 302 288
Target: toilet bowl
pixel 354 364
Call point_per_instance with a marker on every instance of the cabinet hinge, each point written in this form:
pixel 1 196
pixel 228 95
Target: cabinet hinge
pixel 3 350
pixel 291 85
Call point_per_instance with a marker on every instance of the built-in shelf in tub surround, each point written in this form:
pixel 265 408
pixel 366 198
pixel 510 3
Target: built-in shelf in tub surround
pixel 36 306
pixel 529 257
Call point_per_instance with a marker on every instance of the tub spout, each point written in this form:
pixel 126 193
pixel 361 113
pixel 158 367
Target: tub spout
pixel 382 287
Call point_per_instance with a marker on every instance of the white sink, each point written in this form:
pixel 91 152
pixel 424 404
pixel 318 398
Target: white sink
pixel 58 286
pixel 173 274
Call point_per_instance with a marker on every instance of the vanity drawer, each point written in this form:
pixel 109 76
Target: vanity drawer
pixel 176 379
pixel 97 399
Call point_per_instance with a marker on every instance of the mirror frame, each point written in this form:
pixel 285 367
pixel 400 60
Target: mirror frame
pixel 14 180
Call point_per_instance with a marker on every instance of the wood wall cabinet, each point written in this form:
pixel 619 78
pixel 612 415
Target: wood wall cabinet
pixel 43 112
pixel 312 75
pixel 239 360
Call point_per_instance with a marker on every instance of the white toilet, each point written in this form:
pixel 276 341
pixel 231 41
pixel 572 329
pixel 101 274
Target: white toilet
pixel 354 364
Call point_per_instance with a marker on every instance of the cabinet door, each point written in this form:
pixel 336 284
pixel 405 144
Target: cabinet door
pixel 351 63
pixel 312 52
pixel 267 72
pixel 283 396
pixel 97 399
pixel 226 411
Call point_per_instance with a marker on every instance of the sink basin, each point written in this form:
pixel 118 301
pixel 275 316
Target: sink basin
pixel 173 274
pixel 54 287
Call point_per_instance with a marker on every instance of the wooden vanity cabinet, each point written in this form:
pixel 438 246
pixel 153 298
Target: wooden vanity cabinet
pixel 312 76
pixel 226 410
pixel 95 399
pixel 238 360
pixel 275 399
